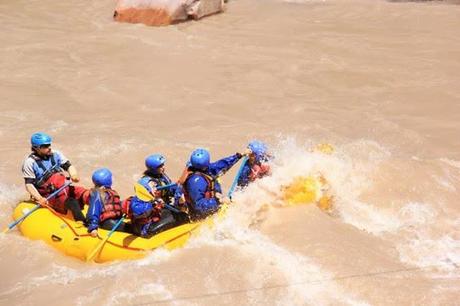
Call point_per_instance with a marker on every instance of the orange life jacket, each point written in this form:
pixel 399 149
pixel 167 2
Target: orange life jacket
pixel 111 208
pixel 210 190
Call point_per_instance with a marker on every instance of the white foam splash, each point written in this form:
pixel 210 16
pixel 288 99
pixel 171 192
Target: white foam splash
pixel 415 213
pixel 423 248
pixel 10 195
pixel 305 281
pixel 371 219
pixel 442 253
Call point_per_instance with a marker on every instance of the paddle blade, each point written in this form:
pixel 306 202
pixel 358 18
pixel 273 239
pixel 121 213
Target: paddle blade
pixel 142 193
pixel 96 250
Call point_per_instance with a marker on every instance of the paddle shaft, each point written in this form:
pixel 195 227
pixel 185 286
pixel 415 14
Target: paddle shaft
pixel 36 207
pixel 101 244
pixel 166 186
pixel 237 177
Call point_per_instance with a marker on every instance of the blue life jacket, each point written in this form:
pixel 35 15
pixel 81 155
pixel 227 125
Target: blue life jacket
pixel 173 193
pixel 44 168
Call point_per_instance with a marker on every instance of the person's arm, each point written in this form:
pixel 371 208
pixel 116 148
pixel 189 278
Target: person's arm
pixel 35 194
pixel 179 198
pixel 30 179
pixel 67 166
pixel 221 166
pixel 243 180
pixel 197 189
pixel 73 174
pixel 94 212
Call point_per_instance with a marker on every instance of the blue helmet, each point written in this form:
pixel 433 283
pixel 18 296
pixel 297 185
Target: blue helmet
pixel 139 208
pixel 154 161
pixel 200 159
pixel 39 139
pixel 258 148
pixel 102 177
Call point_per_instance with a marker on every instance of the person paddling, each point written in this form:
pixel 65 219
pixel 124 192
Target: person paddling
pixel 155 176
pixel 44 171
pixel 146 208
pixel 202 190
pixel 105 208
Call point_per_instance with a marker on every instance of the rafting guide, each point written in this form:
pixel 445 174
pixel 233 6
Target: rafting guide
pixel 44 171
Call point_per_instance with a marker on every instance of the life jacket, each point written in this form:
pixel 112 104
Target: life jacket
pixel 165 194
pixel 258 170
pixel 210 189
pixel 125 206
pixel 111 208
pixel 52 179
pixel 54 182
pixel 47 172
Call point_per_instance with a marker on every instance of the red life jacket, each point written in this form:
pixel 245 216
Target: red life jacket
pixel 259 170
pixel 111 208
pixel 54 178
pixel 54 182
pixel 210 190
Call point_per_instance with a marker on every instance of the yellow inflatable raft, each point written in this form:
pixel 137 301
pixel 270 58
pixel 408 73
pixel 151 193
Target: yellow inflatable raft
pixel 72 238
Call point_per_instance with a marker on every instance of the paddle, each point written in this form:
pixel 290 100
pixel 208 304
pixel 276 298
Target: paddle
pixel 143 194
pixel 238 174
pixel 101 244
pixel 36 207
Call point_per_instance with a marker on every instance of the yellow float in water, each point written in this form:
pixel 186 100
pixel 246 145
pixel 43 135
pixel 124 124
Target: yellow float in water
pixel 305 190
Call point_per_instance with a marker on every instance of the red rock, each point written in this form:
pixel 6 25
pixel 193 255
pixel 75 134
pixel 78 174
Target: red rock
pixel 164 12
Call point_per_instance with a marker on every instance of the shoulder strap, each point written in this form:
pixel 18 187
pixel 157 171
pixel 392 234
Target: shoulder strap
pixel 39 161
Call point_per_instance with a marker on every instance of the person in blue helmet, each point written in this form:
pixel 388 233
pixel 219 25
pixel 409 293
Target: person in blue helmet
pixel 105 207
pixel 257 164
pixel 202 190
pixel 155 176
pixel 146 208
pixel 46 170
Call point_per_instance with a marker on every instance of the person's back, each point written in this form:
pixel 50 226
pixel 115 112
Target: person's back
pixel 105 208
pixel 202 190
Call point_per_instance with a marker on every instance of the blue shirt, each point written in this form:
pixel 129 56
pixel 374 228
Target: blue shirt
pixel 95 209
pixel 243 180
